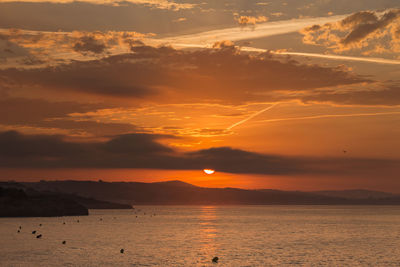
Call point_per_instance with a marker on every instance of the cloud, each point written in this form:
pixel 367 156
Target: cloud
pixel 89 44
pixel 105 77
pixel 277 14
pixel 14 145
pixel 51 47
pixel 141 144
pixel 208 38
pixel 53 151
pixel 160 4
pixel 224 75
pixel 144 151
pixel 40 115
pixel 368 31
pixel 375 94
pixel 224 44
pixel 181 19
pixel 362 17
pixel 364 28
pixel 250 20
pixel 37 109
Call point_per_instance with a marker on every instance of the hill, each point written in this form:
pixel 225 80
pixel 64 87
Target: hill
pixel 180 193
pixel 17 203
pixel 87 202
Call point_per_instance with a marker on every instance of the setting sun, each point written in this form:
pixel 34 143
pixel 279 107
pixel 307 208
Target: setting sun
pixel 209 171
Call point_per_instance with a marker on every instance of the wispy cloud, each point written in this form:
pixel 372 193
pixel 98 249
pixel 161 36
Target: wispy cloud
pixel 161 4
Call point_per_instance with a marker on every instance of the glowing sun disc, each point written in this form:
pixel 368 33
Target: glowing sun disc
pixel 208 171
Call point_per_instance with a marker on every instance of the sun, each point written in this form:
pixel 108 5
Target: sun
pixel 208 171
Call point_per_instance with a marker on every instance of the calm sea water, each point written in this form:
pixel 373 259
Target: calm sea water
pixel 193 235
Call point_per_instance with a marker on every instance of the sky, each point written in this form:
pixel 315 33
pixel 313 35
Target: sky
pixel 291 95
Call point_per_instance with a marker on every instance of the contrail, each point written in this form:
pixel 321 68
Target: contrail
pixel 301 54
pixel 327 56
pixel 250 117
pixel 349 58
pixel 208 38
pixel 331 116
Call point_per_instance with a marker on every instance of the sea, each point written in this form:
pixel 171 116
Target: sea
pixel 194 235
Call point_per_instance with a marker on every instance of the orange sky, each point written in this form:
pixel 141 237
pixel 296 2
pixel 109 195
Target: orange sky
pixel 302 96
pixel 199 178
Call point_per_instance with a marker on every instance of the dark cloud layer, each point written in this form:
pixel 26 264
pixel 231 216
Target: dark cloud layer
pixel 97 77
pixel 15 111
pixel 166 75
pixel 144 151
pixel 41 114
pixel 388 95
pixel 221 74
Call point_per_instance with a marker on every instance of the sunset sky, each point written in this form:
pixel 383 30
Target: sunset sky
pixel 292 95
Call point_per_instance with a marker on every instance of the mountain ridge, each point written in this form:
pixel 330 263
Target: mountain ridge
pixel 176 192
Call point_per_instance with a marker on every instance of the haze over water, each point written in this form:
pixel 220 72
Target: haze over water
pixel 193 235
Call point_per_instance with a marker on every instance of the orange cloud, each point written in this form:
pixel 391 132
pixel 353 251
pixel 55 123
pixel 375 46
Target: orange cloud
pixel 250 20
pixel 368 31
pixel 165 74
pixel 160 4
pixel 50 47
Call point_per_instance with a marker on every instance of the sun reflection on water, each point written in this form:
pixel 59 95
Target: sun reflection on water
pixel 208 231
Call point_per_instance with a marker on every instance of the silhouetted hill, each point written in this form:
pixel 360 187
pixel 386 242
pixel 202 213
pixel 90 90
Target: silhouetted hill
pixel 89 203
pixel 180 193
pixel 16 202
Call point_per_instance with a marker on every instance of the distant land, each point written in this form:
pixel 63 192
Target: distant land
pixel 181 193
pixel 20 200
pixel 16 202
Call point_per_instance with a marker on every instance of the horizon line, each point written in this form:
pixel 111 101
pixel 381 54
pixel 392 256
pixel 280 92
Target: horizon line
pixel 227 187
